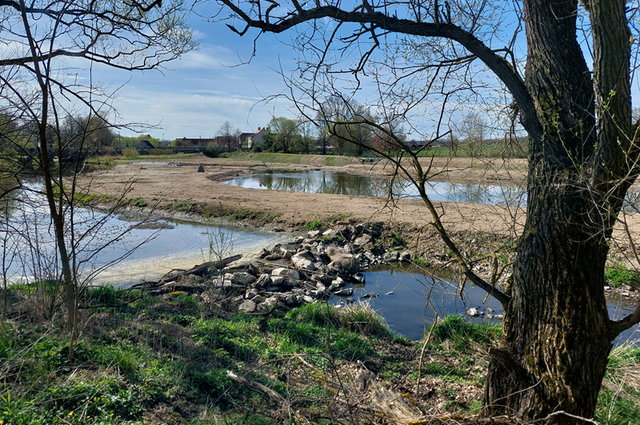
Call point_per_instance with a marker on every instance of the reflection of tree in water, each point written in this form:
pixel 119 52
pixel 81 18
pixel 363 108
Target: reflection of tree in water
pixel 347 184
pixel 469 193
pixel 485 194
pixel 355 185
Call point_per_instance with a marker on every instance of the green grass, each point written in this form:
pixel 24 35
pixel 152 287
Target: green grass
pixel 421 262
pixel 462 333
pixel 337 161
pixel 313 225
pixel 618 276
pixel 137 353
pixel 619 398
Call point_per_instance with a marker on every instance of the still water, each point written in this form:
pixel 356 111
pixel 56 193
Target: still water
pixel 111 249
pixel 409 300
pixel 341 183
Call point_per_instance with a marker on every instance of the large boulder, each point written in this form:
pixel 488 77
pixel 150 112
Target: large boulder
pixel 288 273
pixel 243 278
pixel 304 260
pixel 342 261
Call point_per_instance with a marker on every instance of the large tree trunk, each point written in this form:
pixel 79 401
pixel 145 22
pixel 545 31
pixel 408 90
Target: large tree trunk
pixel 557 333
pixel 556 336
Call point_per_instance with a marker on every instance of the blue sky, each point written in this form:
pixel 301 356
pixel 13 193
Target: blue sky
pixel 194 95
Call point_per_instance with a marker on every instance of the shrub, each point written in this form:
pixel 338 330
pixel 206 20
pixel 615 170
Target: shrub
pixel 130 153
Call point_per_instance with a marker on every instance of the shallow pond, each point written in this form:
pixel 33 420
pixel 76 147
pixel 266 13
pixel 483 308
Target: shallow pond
pixel 341 183
pixel 409 300
pixel 136 253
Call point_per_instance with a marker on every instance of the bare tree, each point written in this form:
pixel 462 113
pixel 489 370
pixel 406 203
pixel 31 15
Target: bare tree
pixel 583 157
pixel 228 136
pixel 40 90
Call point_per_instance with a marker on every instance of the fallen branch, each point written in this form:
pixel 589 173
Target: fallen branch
pixel 264 391
pixel 199 270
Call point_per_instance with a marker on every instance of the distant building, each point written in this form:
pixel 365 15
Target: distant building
pixel 249 140
pixel 195 142
pixel 144 146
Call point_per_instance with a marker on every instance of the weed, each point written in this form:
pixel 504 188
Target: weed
pixel 338 217
pixel 618 276
pixel 184 206
pixel 270 217
pixel 420 262
pixel 397 240
pixel 220 241
pixel 138 202
pixel 313 225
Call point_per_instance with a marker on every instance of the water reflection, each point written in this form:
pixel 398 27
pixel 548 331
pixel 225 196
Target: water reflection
pixel 409 299
pixel 340 183
pixel 141 252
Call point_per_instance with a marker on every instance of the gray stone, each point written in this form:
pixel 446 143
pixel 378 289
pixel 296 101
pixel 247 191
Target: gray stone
pixel 278 280
pixel 313 233
pixel 362 240
pixel 304 261
pixel 359 277
pixel 251 294
pixel 308 299
pixel 370 295
pixel 405 256
pixel 243 278
pixel 334 287
pixel 244 266
pixel 342 262
pixel 281 271
pixel 263 280
pixel 200 168
pixel 390 257
pixel 345 292
pixel 338 281
pixel 473 312
pixel 248 306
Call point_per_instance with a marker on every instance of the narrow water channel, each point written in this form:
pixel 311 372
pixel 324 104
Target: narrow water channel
pixel 409 300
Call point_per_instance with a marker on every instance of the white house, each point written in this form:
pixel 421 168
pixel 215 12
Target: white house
pixel 252 139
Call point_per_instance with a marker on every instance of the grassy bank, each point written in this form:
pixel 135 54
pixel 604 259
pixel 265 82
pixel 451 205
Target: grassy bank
pixel 178 359
pixel 292 158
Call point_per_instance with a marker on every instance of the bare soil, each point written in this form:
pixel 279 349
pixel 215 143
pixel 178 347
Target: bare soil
pixel 164 185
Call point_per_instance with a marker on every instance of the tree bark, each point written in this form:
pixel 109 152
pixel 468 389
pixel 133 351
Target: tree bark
pixel 557 335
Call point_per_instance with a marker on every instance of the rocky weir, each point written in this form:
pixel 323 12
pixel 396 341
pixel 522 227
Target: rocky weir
pixel 306 270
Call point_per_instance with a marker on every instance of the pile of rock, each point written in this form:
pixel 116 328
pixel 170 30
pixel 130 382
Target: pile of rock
pixel 309 269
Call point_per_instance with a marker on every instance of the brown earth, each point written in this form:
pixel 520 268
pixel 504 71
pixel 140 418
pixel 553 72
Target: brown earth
pixel 165 185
